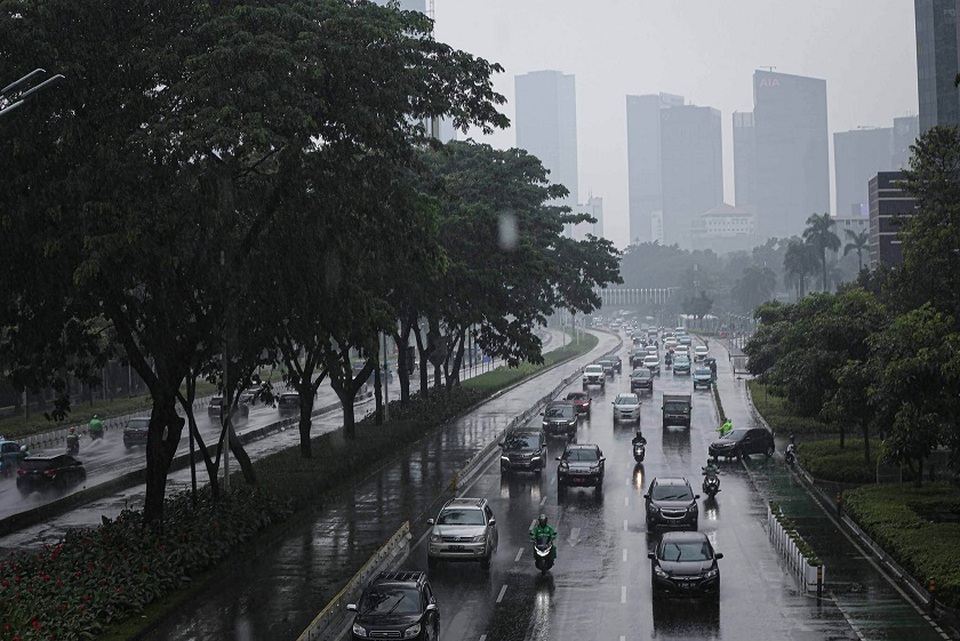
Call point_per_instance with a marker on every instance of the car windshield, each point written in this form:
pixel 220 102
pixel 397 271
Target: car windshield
pixel 702 371
pixel 216 401
pixel 651 359
pixel 557 411
pixel 672 493
pixel 594 369
pixel 686 551
pixel 628 399
pixel 522 442
pixel 139 423
pixel 390 600
pixel 734 435
pixel 290 399
pixel 577 396
pixel 641 374
pixel 458 516
pixel 581 455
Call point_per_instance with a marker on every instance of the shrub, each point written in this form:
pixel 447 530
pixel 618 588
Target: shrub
pixel 826 460
pixel 775 412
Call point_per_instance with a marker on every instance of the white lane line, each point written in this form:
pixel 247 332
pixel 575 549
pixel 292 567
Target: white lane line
pixel 623 594
pixel 622 638
pixel 532 523
pixel 542 501
pixel 624 555
pixel 483 637
pixel 574 535
pixel 503 591
pixel 626 500
pixel 626 525
pixel 553 480
pixel 519 554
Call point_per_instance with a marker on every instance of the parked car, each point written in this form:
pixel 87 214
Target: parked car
pixel 560 418
pixel 702 377
pixel 626 407
pixel 700 352
pixel 43 473
pixel 742 441
pixel 396 605
pixel 136 430
pixel 582 466
pixel 594 375
pixel 464 530
pixel 288 403
pixel 641 380
pixel 670 502
pixel 215 410
pixel 652 363
pixel 524 450
pixel 580 400
pixel 684 564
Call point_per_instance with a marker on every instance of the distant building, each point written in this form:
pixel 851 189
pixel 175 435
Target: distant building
pixel 858 156
pixel 792 174
pixel 937 62
pixel 905 132
pixel 594 208
pixel 546 125
pixel 643 164
pixel 889 205
pixel 744 160
pixel 854 224
pixel 724 229
pixel 675 165
pixel 407 5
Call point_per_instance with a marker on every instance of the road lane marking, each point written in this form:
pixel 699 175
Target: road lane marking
pixel 626 525
pixel 503 591
pixel 483 637
pixel 542 501
pixel 623 594
pixel 624 555
pixel 626 500
pixel 519 554
pixel 574 536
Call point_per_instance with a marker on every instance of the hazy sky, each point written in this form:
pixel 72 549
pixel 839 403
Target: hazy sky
pixel 705 50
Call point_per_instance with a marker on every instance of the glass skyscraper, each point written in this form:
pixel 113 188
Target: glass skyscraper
pixel 937 62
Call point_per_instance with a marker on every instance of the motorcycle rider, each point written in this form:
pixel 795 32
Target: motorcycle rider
pixel 24 452
pixel 542 528
pixel 73 440
pixel 710 468
pixel 639 440
pixel 791 452
pixel 95 427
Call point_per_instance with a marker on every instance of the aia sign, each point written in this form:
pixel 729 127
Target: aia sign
pixel 769 82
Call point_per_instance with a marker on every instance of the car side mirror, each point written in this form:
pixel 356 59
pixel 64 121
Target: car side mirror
pixel 431 522
pixel 432 607
pixel 652 556
pixel 559 458
pixel 492 522
pixel 646 496
pixel 718 555
pixel 696 496
pixel 602 459
pixel 352 607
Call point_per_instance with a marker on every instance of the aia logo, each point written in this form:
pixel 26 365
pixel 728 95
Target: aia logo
pixel 769 82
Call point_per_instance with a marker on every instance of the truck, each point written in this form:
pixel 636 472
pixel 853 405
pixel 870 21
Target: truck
pixel 676 409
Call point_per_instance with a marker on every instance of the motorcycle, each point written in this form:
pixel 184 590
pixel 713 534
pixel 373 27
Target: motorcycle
pixel 543 554
pixel 790 455
pixel 711 484
pixel 73 444
pixel 639 450
pixel 96 435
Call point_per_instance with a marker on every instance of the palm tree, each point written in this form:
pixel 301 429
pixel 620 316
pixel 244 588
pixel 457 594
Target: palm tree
pixel 798 262
pixel 820 235
pixel 858 243
pixel 754 287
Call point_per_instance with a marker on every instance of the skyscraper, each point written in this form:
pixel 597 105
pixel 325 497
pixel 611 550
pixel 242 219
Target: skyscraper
pixel 744 160
pixel 937 62
pixel 858 156
pixel 905 132
pixel 546 125
pixel 792 170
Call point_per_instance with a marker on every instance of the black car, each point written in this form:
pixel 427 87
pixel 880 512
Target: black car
pixel 215 410
pixel 641 380
pixel 742 441
pixel 396 605
pixel 135 431
pixel 580 465
pixel 288 403
pixel 670 502
pixel 609 366
pixel 685 565
pixel 41 473
pixel 523 450
pixel 560 418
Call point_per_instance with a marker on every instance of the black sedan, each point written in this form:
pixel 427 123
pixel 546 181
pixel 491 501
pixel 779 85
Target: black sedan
pixel 136 431
pixel 41 473
pixel 580 465
pixel 685 565
pixel 741 442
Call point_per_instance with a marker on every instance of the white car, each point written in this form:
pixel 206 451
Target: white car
pixel 652 363
pixel 700 352
pixel 681 349
pixel 626 407
pixel 465 530
pixel 652 350
pixel 594 375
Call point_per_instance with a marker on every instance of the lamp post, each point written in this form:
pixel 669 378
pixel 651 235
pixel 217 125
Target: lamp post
pixel 18 92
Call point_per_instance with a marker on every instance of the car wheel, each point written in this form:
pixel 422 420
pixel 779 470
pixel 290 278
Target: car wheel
pixel 769 451
pixel 485 561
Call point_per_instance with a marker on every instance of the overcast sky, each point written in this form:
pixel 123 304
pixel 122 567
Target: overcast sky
pixel 705 50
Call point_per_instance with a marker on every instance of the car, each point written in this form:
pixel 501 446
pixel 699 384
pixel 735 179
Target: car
pixel 609 368
pixel 464 530
pixel 580 400
pixel 702 377
pixel 560 418
pixel 670 502
pixel 641 380
pixel 215 410
pixel 681 364
pixel 251 395
pixel 582 466
pixel 288 403
pixel 743 441
pixel 396 605
pixel 9 456
pixel 594 375
pixel 681 349
pixel 652 363
pixel 523 450
pixel 136 430
pixel 626 407
pixel 670 342
pixel 653 350
pixel 684 564
pixel 637 355
pixel 42 473
pixel 685 340
pixel 700 352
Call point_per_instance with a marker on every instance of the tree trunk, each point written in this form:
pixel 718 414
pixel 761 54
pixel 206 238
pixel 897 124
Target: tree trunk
pixel 162 441
pixel 866 442
pixel 424 352
pixel 378 396
pixel 843 433
pixel 239 453
pixel 306 411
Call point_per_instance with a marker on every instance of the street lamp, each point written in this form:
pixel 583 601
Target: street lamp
pixel 18 92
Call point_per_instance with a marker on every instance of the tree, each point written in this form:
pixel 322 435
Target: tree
pixel 753 288
pixel 819 233
pixel 859 242
pixel 799 260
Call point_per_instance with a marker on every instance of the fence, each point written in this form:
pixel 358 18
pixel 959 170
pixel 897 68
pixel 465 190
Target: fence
pixel 799 556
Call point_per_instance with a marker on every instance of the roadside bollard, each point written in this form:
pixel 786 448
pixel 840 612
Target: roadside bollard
pixel 819 582
pixel 932 589
pixel 839 505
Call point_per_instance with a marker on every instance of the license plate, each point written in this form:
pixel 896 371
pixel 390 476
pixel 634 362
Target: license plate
pixel 455 548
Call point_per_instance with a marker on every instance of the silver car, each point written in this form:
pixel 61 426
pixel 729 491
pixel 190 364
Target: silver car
pixel 465 530
pixel 626 407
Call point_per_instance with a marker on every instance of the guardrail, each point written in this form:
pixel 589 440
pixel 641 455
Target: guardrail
pixel 798 554
pixel 396 547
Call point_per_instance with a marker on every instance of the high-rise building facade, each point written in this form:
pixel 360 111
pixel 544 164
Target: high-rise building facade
pixel 744 160
pixel 675 166
pixel 937 62
pixel 792 168
pixel 857 157
pixel 593 208
pixel 890 205
pixel 546 125
pixel 643 165
pixel 905 132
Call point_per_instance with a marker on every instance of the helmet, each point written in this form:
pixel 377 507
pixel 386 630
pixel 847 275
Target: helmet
pixel 23 448
pixel 542 520
pixel 96 417
pixel 71 429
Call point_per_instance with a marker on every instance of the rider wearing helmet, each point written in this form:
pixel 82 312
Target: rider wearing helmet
pixel 710 467
pixel 639 439
pixel 542 528
pixel 95 426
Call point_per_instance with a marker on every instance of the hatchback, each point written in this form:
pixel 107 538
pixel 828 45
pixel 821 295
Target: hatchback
pixel 670 502
pixel 40 473
pixel 741 442
pixel 685 565
pixel 135 432
pixel 465 530
pixel 652 363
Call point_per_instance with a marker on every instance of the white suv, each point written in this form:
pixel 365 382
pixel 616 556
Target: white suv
pixel 594 375
pixel 465 530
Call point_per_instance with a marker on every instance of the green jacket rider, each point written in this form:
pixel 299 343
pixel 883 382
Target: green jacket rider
pixel 95 425
pixel 541 528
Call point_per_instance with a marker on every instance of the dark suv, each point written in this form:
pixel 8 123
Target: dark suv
pixel 560 418
pixel 670 502
pixel 523 450
pixel 288 403
pixel 580 465
pixel 396 605
pixel 215 410
pixel 641 380
pixel 742 441
pixel 136 431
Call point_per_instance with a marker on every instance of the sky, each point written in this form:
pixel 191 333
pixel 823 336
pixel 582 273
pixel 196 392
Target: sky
pixel 705 50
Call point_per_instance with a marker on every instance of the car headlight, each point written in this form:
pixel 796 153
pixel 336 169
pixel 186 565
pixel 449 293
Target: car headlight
pixel 653 508
pixel 480 538
pixel 359 630
pixel 595 468
pixel 711 573
pixel 435 538
pixel 564 467
pixel 535 457
pixel 660 572
pixel 412 631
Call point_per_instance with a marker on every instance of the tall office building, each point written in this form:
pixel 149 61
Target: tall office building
pixel 937 62
pixel 792 169
pixel 744 160
pixel 675 166
pixel 546 125
pixel 890 206
pixel 593 208
pixel 905 132
pixel 858 156
pixel 643 164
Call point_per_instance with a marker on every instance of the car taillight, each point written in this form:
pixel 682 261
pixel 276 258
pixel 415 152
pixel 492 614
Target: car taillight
pixel 21 472
pixel 49 472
